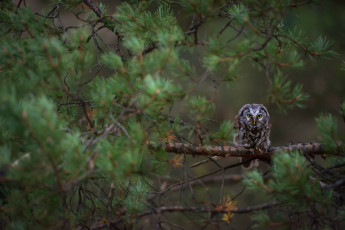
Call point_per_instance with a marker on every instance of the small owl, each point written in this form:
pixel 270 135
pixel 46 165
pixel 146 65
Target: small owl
pixel 253 124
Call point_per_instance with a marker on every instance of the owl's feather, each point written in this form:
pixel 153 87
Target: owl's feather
pixel 253 124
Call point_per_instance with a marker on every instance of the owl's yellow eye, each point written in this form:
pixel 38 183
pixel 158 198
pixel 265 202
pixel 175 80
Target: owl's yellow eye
pixel 259 116
pixel 249 116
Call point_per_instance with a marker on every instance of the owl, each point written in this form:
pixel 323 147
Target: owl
pixel 253 124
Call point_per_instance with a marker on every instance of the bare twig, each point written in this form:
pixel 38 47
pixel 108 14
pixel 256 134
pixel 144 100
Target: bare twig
pixel 224 27
pixel 300 3
pixel 334 167
pixel 207 209
pixel 93 7
pixel 194 209
pixel 203 162
pixel 181 183
pixel 211 180
pixel 299 45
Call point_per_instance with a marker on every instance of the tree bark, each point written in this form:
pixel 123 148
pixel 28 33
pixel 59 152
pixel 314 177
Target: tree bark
pixel 232 151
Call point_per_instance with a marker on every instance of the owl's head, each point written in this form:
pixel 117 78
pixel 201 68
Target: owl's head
pixel 252 116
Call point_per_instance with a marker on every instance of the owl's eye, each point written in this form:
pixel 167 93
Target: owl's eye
pixel 259 116
pixel 249 116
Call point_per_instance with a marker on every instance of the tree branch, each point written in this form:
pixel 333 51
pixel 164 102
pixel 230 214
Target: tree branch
pixel 93 7
pixel 193 209
pixel 300 3
pixel 211 180
pixel 232 151
pixel 207 209
pixel 299 45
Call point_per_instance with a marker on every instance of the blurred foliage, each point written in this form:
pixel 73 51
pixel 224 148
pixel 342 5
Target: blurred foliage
pixel 309 192
pixel 77 114
pixel 328 126
pixel 294 188
pixel 283 95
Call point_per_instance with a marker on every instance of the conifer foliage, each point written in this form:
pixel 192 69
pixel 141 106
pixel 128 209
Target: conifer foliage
pixel 79 115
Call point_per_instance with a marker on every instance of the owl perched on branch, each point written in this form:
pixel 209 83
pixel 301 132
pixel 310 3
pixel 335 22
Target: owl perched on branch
pixel 253 124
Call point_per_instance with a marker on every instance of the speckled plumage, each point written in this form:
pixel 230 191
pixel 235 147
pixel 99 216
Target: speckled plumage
pixel 253 124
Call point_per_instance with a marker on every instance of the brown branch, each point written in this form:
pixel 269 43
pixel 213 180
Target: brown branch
pixel 207 209
pixel 224 27
pixel 150 48
pixel 299 45
pixel 192 209
pixel 255 207
pixel 181 183
pixel 211 180
pixel 93 7
pixel 300 3
pixel 232 151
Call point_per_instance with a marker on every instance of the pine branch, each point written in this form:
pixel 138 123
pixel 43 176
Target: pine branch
pixel 299 45
pixel 178 208
pixel 211 180
pixel 93 7
pixel 232 151
pixel 300 3
pixel 181 183
pixel 206 209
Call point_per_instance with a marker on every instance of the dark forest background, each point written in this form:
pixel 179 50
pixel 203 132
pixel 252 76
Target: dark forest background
pixel 323 79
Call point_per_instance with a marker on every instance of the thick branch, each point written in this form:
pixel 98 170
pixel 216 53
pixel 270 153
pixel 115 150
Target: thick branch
pixel 232 151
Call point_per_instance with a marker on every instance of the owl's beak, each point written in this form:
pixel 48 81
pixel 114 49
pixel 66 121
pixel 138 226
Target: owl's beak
pixel 254 121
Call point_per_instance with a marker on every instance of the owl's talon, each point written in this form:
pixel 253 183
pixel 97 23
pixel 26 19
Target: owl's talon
pixel 266 149
pixel 259 150
pixel 247 146
pixel 262 151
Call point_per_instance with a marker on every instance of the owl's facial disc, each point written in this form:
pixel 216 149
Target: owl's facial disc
pixel 249 117
pixel 254 117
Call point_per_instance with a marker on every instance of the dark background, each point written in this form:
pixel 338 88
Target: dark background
pixel 322 79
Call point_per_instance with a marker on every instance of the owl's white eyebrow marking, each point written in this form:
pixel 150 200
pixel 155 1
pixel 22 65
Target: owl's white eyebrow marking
pixel 254 112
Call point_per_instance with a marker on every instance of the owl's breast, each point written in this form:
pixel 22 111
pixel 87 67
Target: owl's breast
pixel 254 130
pixel 252 135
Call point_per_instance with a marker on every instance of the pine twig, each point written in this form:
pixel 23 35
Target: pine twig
pixel 93 7
pixel 207 209
pixel 193 209
pixel 215 179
